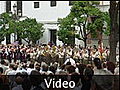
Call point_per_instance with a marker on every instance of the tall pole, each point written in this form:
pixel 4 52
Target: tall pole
pixel 15 18
pixel 17 15
pixel 8 9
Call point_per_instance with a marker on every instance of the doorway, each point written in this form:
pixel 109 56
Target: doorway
pixel 53 36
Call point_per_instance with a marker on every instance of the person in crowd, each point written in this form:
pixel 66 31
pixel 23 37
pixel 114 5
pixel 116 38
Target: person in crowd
pixel 19 81
pixel 23 64
pixel 102 79
pixel 3 65
pixel 110 66
pixel 4 80
pixel 30 68
pixel 44 70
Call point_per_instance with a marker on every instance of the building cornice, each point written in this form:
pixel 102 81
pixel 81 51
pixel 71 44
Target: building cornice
pixel 48 22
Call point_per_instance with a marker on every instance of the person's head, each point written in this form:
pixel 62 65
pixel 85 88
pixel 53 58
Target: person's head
pixel 70 69
pixel 37 68
pixel 19 80
pixel 15 67
pixel 35 78
pixel 110 66
pixel 97 63
pixel 45 68
pixel 1 70
pixel 11 65
pixel 2 62
pixel 24 66
pixel 53 69
pixel 81 68
pixel 31 65
pixel 24 74
pixel 88 73
pixel 56 64
pixel 90 66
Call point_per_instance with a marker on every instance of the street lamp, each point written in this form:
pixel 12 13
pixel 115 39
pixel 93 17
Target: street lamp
pixel 16 16
pixel 19 13
pixel 15 8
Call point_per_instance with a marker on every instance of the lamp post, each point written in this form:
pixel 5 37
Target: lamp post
pixel 16 16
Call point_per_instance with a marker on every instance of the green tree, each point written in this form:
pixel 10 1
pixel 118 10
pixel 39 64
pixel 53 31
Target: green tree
pixel 5 21
pixel 66 32
pixel 87 17
pixel 30 30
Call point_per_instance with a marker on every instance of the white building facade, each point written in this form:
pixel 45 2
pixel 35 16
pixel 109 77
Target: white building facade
pixel 48 12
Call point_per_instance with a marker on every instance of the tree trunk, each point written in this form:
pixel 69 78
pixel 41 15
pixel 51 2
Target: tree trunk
pixel 113 29
pixel 112 48
pixel 34 42
pixel 8 39
pixel 19 39
pixel 28 41
pixel 85 42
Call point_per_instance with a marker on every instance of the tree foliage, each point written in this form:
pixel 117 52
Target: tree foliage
pixel 5 18
pixel 29 29
pixel 87 17
pixel 66 32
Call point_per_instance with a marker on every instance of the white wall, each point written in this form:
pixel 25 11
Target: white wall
pixel 104 8
pixel 45 12
pixel 2 6
pixel 104 2
pixel 47 15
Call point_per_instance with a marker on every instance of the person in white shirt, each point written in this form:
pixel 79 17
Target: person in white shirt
pixel 30 68
pixel 70 60
pixel 22 69
pixel 116 71
pixel 2 64
pixel 11 66
pixel 98 69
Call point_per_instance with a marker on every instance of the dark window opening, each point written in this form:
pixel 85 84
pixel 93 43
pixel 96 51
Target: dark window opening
pixel 36 4
pixel 53 36
pixel 53 3
pixel 8 6
pixel 19 7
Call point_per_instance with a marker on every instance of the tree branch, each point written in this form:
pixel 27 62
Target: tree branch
pixel 88 33
pixel 81 32
pixel 84 30
pixel 81 39
pixel 26 40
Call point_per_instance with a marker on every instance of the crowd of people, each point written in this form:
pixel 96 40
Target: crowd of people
pixel 24 67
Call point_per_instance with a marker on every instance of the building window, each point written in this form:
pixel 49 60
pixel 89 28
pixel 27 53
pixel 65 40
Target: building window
pixel 53 3
pixel 70 3
pixel 36 4
pixel 19 7
pixel 8 6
